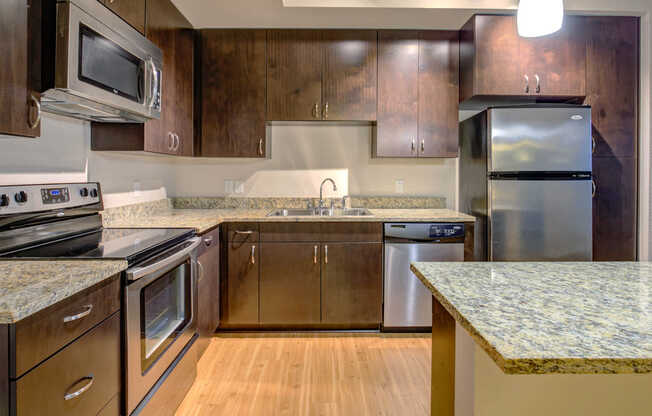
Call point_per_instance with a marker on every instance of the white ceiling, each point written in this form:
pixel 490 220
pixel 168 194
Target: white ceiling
pixel 412 14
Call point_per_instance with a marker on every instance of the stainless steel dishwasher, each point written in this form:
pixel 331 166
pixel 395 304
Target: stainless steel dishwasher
pixel 407 302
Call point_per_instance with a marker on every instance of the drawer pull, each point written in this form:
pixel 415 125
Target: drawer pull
pixel 80 315
pixel 245 232
pixel 326 254
pixel 81 391
pixel 314 257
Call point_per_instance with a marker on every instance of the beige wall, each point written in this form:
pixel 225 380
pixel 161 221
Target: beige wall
pixel 301 157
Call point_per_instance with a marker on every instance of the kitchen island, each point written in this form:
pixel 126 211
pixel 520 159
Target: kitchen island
pixel 540 338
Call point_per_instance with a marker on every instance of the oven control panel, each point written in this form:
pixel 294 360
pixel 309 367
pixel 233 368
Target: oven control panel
pixel 24 199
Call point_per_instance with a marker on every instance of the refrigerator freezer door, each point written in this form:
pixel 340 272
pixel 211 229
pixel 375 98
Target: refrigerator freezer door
pixel 543 139
pixel 544 220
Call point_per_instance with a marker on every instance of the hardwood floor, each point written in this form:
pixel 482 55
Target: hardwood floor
pixel 312 374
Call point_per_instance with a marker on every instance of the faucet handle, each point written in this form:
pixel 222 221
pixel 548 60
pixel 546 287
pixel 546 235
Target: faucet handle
pixel 346 201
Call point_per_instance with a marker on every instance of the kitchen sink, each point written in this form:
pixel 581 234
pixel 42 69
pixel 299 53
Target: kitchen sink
pixel 315 212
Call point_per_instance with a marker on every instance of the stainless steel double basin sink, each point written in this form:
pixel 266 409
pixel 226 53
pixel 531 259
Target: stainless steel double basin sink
pixel 316 212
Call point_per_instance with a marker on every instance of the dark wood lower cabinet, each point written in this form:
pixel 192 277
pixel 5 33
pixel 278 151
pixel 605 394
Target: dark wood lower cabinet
pixel 240 290
pixel 208 308
pixel 352 284
pixel 92 363
pixel 290 284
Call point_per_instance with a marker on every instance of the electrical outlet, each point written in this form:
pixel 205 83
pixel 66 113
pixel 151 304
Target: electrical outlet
pixel 400 186
pixel 228 186
pixel 239 187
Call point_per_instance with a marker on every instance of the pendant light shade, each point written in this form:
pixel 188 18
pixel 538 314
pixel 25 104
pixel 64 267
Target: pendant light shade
pixel 539 17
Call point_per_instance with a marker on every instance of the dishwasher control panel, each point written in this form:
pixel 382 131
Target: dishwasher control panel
pixel 446 230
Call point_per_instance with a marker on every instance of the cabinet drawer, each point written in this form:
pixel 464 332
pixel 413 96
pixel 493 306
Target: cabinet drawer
pixel 90 365
pixel 289 231
pixel 352 231
pixel 241 232
pixel 45 332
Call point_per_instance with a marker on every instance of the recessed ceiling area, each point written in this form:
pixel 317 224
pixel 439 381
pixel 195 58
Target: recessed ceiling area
pixel 390 14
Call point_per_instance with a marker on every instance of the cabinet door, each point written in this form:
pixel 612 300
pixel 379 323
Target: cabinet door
pixel 349 75
pixel 438 93
pixel 398 94
pixel 233 93
pixel 352 281
pixel 497 69
pixel 131 11
pixel 290 284
pixel 294 64
pixel 208 308
pixel 166 27
pixel 558 60
pixel 240 300
pixel 17 99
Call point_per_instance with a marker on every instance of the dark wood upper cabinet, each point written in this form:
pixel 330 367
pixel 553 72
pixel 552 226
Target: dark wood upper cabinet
pixel 398 94
pixel 289 284
pixel 19 99
pixel 232 107
pixel 321 75
pixel 294 64
pixel 349 84
pixel 439 59
pixel 173 132
pixel 496 62
pixel 131 11
pixel 352 284
pixel 418 90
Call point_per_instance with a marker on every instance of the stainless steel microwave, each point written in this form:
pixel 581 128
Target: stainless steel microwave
pixel 97 67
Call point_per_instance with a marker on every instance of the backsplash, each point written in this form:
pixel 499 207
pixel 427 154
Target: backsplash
pixel 284 202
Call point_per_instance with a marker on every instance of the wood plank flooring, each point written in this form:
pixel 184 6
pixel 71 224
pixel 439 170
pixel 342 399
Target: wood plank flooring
pixel 312 374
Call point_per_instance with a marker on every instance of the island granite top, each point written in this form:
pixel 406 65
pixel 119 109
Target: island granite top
pixel 540 318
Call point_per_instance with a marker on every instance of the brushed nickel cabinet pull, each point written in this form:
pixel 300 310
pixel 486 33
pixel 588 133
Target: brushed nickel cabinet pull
pixel 326 254
pixel 326 110
pixel 170 141
pixel 260 147
pixel 208 241
pixel 527 84
pixel 423 146
pixel 315 112
pixel 80 315
pixel 314 256
pixel 37 104
pixel 594 188
pixel 81 391
pixel 244 232
pixel 538 83
pixel 253 254
pixel 413 146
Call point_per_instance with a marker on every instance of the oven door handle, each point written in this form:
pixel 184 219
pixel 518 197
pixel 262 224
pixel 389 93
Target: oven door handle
pixel 136 273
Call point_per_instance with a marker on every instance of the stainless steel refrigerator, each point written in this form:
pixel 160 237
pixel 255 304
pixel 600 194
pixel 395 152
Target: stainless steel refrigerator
pixel 525 173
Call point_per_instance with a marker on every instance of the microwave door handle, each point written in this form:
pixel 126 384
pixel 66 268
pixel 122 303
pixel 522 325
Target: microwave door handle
pixel 136 273
pixel 155 83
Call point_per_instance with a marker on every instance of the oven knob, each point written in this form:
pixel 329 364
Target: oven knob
pixel 21 197
pixel 83 192
pixel 94 193
pixel 4 200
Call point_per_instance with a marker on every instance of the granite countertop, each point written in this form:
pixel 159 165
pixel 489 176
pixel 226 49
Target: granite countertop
pixel 203 220
pixel 538 318
pixel 29 286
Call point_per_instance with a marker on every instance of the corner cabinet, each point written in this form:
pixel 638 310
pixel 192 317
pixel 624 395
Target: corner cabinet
pixel 497 63
pixel 418 90
pixel 20 49
pixel 321 75
pixel 231 109
pixel 173 133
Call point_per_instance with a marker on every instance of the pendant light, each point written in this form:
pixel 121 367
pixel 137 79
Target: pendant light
pixel 539 17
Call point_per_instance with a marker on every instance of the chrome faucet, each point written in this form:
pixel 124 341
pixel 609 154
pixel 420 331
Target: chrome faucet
pixel 321 193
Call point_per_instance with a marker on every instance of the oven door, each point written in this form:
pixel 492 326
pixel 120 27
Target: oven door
pixel 104 60
pixel 160 314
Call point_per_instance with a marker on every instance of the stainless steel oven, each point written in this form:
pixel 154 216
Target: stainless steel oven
pixel 96 66
pixel 160 316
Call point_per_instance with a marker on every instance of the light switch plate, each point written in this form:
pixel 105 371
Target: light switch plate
pixel 228 186
pixel 400 186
